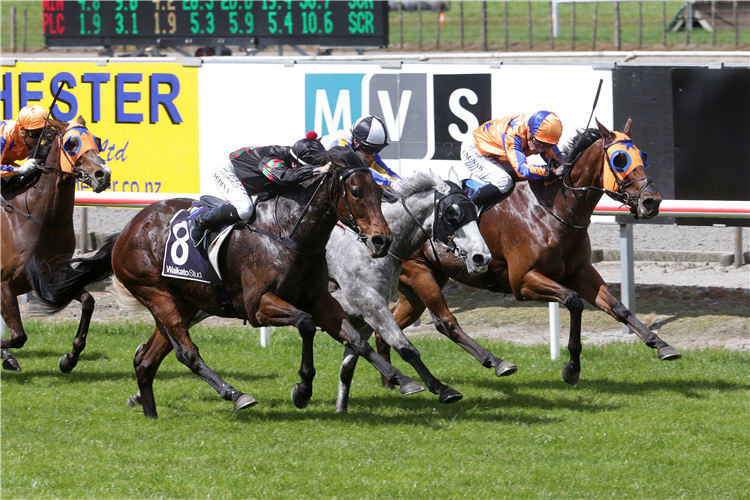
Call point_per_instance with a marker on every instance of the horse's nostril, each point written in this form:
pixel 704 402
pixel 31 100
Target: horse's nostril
pixel 99 175
pixel 380 241
pixel 479 260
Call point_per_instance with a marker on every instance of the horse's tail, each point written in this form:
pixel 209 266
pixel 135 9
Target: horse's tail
pixel 56 287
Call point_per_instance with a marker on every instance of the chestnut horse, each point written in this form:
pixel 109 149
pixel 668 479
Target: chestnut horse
pixel 540 247
pixel 37 221
pixel 270 279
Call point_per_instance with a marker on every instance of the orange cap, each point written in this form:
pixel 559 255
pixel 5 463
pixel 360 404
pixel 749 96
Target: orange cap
pixel 32 117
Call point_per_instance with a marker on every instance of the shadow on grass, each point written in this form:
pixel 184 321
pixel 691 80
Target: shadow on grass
pixel 87 377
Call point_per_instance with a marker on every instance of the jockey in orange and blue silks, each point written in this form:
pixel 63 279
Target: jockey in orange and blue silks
pixel 511 140
pixel 368 135
pixel 18 139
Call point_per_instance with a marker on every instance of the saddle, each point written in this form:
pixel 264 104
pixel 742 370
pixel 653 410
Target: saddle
pixel 184 261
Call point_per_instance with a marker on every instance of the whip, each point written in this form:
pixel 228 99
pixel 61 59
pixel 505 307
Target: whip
pixel 596 100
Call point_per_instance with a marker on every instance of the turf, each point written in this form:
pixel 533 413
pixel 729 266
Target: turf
pixel 633 427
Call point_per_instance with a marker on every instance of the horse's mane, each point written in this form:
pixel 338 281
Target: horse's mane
pixel 580 143
pixel 346 154
pixel 417 183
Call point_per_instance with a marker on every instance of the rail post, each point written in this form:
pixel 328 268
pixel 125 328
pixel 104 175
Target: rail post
pixel 265 336
pixel 554 330
pixel 627 281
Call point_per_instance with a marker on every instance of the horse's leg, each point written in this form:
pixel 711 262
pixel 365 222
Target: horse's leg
pixel 172 323
pixel 346 374
pixel 420 288
pixel 12 317
pixel 148 358
pixel 333 320
pixel 378 314
pixel 274 311
pixel 69 360
pixel 592 288
pixel 536 286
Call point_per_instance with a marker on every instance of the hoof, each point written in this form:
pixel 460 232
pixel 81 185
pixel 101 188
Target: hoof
pixel 67 363
pixel 411 387
pixel 448 396
pixel 245 401
pixel 669 353
pixel 505 369
pixel 569 376
pixel 134 400
pixel 11 364
pixel 298 399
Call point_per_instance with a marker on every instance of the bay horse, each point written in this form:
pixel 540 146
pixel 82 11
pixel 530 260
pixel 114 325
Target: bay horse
pixel 37 222
pixel 426 206
pixel 271 279
pixel 541 248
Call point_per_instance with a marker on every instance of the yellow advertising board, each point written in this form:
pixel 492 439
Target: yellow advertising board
pixel 146 115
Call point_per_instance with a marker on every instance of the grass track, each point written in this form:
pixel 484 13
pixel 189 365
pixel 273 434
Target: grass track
pixel 634 427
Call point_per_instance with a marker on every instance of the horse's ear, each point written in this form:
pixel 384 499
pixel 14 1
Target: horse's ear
pixel 606 134
pixel 453 176
pixel 438 181
pixel 628 127
pixel 81 120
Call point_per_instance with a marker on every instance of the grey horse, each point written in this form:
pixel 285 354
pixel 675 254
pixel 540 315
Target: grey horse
pixel 425 205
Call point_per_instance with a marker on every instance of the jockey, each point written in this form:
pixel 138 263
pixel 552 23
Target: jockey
pixel 511 140
pixel 368 135
pixel 20 137
pixel 259 173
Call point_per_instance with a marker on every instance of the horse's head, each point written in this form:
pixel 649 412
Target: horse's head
pixel 455 224
pixel 624 174
pixel 79 154
pixel 359 207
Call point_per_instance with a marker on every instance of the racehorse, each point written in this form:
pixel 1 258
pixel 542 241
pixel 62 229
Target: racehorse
pixel 540 246
pixel 271 279
pixel 426 207
pixel 37 221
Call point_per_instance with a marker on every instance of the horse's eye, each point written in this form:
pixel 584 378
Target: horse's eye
pixel 72 145
pixel 621 161
pixel 453 212
pixel 356 192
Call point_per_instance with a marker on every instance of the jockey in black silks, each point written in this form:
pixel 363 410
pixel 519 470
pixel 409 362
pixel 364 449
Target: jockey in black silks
pixel 256 174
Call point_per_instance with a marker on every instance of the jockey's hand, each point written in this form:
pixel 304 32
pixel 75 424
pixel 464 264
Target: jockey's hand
pixel 324 169
pixel 29 166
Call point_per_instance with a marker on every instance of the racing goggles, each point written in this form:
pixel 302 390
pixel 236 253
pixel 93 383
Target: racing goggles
pixel 370 150
pixel 33 134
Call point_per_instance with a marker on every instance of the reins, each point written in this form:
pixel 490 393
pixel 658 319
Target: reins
pixel 619 195
pixel 291 244
pixel 44 169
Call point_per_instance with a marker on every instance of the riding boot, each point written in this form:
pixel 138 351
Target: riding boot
pixel 486 196
pixel 198 226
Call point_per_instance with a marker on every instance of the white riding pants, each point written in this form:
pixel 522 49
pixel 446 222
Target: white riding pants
pixel 231 189
pixel 484 168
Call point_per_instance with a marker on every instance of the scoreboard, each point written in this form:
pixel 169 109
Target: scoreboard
pixel 247 23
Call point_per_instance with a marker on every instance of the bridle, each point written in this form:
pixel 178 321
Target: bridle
pixel 339 177
pixel 620 195
pixel 443 229
pixel 76 174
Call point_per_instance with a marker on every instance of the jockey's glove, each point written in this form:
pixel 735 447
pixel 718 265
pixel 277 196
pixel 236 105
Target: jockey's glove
pixel 29 166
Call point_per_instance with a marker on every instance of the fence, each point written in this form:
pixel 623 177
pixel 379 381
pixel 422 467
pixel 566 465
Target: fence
pixel 567 25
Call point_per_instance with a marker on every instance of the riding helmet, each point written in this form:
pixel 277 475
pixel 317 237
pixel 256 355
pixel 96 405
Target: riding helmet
pixel 309 151
pixel 370 131
pixel 545 126
pixel 32 117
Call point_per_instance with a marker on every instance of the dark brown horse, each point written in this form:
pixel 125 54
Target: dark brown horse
pixel 37 221
pixel 540 247
pixel 271 280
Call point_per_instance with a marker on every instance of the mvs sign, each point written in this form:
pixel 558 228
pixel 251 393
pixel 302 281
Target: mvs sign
pixel 427 116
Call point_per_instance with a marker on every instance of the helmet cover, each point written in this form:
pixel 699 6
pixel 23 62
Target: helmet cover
pixel 546 127
pixel 370 131
pixel 32 117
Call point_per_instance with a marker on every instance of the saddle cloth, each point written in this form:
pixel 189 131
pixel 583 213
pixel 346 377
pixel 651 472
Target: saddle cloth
pixel 184 261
